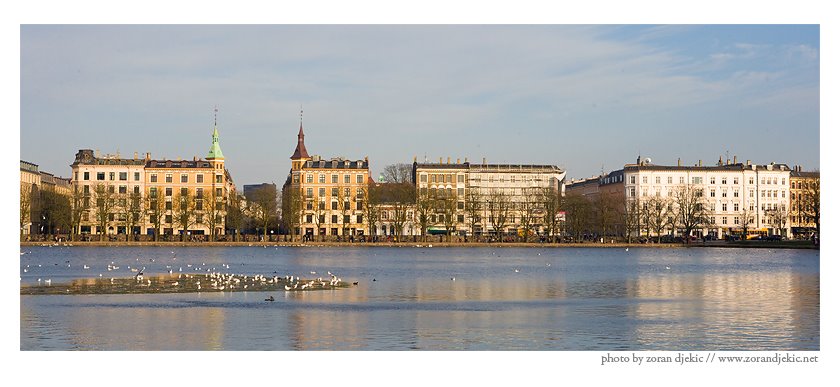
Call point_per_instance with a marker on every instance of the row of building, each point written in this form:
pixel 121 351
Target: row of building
pixel 334 197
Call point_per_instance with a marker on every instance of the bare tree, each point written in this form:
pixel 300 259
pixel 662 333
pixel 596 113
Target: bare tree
pixel 447 204
pixel 605 213
pixel 345 206
pixel 184 212
pixel 552 203
pixel 105 204
pixel 54 211
pixel 155 205
pixel 692 209
pixel 474 206
pixel 371 199
pixel 234 218
pixel 214 208
pixel 25 206
pixel 811 193
pixel 400 197
pixel 499 207
pixel 578 210
pixel 263 206
pixel 530 206
pixel 656 215
pixel 746 218
pixel 79 201
pixel 425 209
pixel 632 217
pixel 292 209
pixel 398 173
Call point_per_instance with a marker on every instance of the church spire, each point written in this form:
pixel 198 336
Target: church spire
pixel 300 150
pixel 215 149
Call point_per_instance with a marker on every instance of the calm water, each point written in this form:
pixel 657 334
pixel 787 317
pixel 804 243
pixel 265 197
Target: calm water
pixel 500 299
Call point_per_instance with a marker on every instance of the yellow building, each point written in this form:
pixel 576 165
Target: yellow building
pixel 153 197
pixel 804 214
pixel 331 193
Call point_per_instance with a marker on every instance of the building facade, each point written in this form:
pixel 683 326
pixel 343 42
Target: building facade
pixel 479 199
pixel 736 195
pixel 152 197
pixel 804 202
pixel 331 193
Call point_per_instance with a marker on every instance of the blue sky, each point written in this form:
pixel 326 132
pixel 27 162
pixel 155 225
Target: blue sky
pixel 584 97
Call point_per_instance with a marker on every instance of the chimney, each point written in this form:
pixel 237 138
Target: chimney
pixel 415 159
pixel 679 162
pixel 749 162
pixel 195 158
pixel 440 161
pixel 148 156
pixel 700 163
pixel 484 160
pixel 458 161
pixel 734 159
pixel 366 159
pixel 449 160
pixel 135 155
pixel 465 160
pixel 97 153
pixel 727 162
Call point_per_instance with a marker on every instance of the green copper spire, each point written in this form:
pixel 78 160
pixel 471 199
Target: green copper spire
pixel 215 149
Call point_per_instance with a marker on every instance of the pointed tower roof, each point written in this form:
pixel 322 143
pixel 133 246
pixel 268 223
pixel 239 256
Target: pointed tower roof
pixel 300 150
pixel 215 149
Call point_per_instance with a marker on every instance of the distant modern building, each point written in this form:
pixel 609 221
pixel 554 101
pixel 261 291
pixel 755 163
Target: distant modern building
pixel 331 192
pixel 116 188
pixel 474 190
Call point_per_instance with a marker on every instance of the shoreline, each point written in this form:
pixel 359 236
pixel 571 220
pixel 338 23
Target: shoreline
pixel 741 244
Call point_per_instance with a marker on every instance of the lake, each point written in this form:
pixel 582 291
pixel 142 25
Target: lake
pixel 578 299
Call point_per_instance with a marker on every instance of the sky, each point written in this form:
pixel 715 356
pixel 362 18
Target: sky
pixel 588 98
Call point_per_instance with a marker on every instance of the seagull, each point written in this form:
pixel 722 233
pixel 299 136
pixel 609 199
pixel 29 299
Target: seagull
pixel 453 278
pixel 626 249
pixel 86 267
pixel 667 267
pixel 516 270
pixel 287 287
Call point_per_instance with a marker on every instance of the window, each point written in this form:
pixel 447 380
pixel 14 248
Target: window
pixel 460 192
pixel 735 180
pixel 682 179
pixel 711 180
pixel 308 178
pixel 723 207
pixel 358 206
pixel 322 179
pixel 358 219
pixel 168 177
pixel 111 189
pixel 763 193
pixel 775 180
pixel 184 178
pixel 334 205
pixel 219 194
pixel 644 179
pixel 423 178
pixel 168 219
pixel 736 220
pixel 763 180
pixel 111 175
pixel 308 218
pixel 123 189
pixel 123 176
pixel 783 193
pixel 322 192
pixel 136 176
pixel 137 189
pixel 656 179
pixel 461 178
pixel 199 178
pixel 334 192
pixel 199 218
pixel 199 204
pixel 334 219
pixel 168 191
pixel 346 179
pixel 346 219
pixel 735 207
pixel 360 193
pixel 295 178
pixel 86 189
pixel 460 218
pixel 153 192
pixel 633 179
pixel 218 179
pixel 723 180
pixel 783 181
pixel 712 193
pixel 335 179
pixel 87 175
pixel 309 192
pixel 632 192
pixel 723 193
pixel 100 175
pixel 199 193
pixel 359 179
pixel 752 193
pixel 735 193
pixel 696 180
pixel 670 180
pixel 752 181
pixel 724 220
pixel 168 205
pixel 184 192
pixel 153 178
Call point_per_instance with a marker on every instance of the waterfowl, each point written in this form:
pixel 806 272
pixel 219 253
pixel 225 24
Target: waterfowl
pixel 270 298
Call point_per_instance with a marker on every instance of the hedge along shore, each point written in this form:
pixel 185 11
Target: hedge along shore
pixel 739 244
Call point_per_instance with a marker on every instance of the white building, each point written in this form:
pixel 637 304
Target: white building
pixel 519 183
pixel 736 193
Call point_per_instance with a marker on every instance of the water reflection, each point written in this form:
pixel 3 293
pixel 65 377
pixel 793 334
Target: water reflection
pixel 561 299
